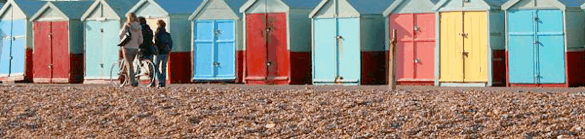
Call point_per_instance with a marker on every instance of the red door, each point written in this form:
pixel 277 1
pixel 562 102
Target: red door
pixel 51 54
pixel 267 54
pixel 60 46
pixel 416 47
pixel 42 71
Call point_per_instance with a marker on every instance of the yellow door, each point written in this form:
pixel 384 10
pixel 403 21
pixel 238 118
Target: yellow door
pixel 451 60
pixel 475 46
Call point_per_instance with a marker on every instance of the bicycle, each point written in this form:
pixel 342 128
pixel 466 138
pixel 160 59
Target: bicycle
pixel 143 68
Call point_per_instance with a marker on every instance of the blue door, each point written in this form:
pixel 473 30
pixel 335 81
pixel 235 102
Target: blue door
pixel 536 47
pixel 6 34
pixel 18 47
pixel 551 47
pixel 521 47
pixel 349 50
pixel 101 51
pixel 325 51
pixel 336 54
pixel 93 50
pixel 214 50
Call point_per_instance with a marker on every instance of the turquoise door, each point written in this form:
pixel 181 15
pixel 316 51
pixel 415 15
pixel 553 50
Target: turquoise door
pixel 521 49
pixel 325 51
pixel 551 47
pixel 12 54
pixel 6 34
pixel 214 50
pixel 101 50
pixel 18 54
pixel 536 47
pixel 337 53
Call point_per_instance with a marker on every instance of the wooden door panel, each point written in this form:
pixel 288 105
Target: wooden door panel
pixel 451 62
pixel 521 49
pixel 276 43
pixel 42 51
pixel 424 33
pixel 325 51
pixel 475 47
pixel 256 47
pixel 403 24
pixel 93 49
pixel 60 46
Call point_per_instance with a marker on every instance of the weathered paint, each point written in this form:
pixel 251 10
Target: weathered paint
pixel 100 43
pixel 464 56
pixel 416 45
pixel 51 54
pixel 476 36
pixel 290 34
pixel 336 52
pixel 102 22
pixel 268 59
pixel 342 31
pixel 214 50
pixel 556 42
pixel 58 31
pixel 222 11
pixel 15 60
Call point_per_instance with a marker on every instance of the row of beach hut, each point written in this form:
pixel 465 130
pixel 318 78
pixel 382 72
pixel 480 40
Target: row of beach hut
pixel 440 42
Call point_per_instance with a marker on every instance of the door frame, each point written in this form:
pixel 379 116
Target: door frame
pixel 214 43
pixel 438 48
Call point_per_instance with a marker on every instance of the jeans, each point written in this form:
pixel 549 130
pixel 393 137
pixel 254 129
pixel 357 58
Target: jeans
pixel 160 64
pixel 129 55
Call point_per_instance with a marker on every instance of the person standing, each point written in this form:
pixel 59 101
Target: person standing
pixel 164 44
pixel 146 50
pixel 130 49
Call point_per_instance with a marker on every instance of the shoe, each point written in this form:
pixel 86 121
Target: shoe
pixel 135 84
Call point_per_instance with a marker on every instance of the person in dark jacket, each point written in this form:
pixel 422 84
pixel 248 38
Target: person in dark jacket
pixel 146 50
pixel 164 45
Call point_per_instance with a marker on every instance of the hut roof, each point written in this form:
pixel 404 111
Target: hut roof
pixel 73 9
pixel 179 6
pixel 293 4
pixel 29 7
pixel 233 4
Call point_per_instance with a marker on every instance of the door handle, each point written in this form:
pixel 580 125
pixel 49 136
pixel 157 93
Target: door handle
pixel 339 37
pixel 268 63
pixel 416 28
pixel 463 34
pixel 50 66
pixel 102 65
pixel 217 32
pixel 465 53
pixel 417 60
pixel 216 64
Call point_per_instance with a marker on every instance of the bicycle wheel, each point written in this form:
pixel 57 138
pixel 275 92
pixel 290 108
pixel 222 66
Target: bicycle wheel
pixel 148 70
pixel 122 79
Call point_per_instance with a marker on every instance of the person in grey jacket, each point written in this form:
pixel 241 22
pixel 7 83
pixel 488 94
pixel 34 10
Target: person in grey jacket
pixel 164 43
pixel 130 49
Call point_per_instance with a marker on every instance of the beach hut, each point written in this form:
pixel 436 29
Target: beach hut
pixel 544 48
pixel 102 22
pixel 414 22
pixel 277 41
pixel 17 40
pixel 58 42
pixel 176 15
pixel 217 41
pixel 470 42
pixel 348 42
